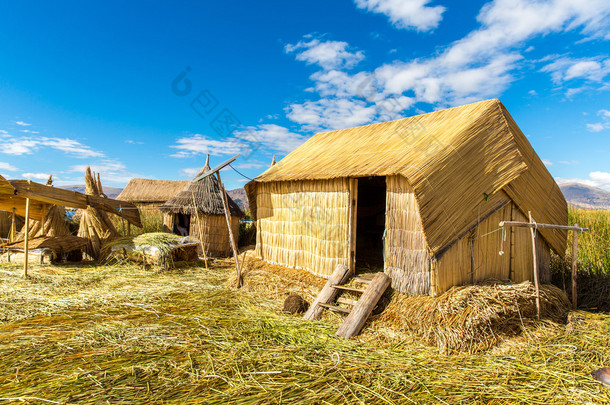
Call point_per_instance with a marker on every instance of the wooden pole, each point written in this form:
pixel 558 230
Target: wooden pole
pixel 328 292
pixel 13 228
pixel 225 202
pixel 575 269
pixel 27 236
pixel 533 232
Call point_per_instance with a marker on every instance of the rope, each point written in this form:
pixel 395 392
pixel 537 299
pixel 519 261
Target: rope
pixel 238 172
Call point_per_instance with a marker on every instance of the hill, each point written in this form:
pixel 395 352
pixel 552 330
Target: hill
pixel 111 192
pixel 583 196
pixel 239 196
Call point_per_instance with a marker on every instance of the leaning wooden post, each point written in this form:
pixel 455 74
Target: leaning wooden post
pixel 533 231
pixel 574 268
pixel 27 236
pixel 225 203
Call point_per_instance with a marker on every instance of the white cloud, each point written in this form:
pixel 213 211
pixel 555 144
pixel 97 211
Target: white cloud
pixel 8 167
pixel 596 179
pixel 111 171
pixel 604 124
pixel 476 67
pixel 250 165
pixel 190 172
pixel 597 127
pixel 132 142
pixel 245 141
pixel 547 162
pixel 36 176
pixel 198 144
pixel 406 14
pixel 23 124
pixel 327 54
pixel 564 69
pixel 12 145
pixel 27 131
pixel 331 113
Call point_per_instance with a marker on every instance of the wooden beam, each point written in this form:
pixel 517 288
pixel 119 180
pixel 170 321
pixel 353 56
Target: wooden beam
pixel 537 225
pixel 27 237
pixel 575 269
pixel 225 202
pixel 216 169
pixel 533 232
pixel 328 292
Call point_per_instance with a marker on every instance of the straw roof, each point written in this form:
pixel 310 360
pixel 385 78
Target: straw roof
pixel 201 197
pixel 151 191
pixel 454 160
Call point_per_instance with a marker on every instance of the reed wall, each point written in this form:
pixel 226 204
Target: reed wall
pixel 303 224
pixel 214 233
pixel 476 256
pixel 407 261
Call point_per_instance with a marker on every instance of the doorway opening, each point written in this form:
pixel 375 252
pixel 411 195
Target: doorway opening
pixel 370 224
pixel 182 224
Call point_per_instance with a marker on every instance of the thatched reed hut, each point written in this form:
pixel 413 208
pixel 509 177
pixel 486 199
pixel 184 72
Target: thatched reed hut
pixel 149 193
pixel 420 197
pixel 198 211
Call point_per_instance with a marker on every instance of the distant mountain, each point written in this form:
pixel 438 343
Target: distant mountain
pixel 111 192
pixel 583 196
pixel 239 196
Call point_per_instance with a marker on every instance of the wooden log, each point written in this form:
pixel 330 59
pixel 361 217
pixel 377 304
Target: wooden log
pixel 27 237
pixel 533 232
pixel 225 202
pixel 575 269
pixel 328 292
pixel 362 310
pixel 335 308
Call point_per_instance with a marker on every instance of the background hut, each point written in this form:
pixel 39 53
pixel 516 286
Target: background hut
pixel 198 211
pixel 149 193
pixel 95 226
pixel 420 198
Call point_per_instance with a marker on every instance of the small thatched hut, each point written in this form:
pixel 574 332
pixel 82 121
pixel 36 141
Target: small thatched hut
pixel 198 211
pixel 420 198
pixel 149 193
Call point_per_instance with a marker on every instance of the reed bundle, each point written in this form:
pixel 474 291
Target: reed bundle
pixel 473 318
pixel 165 246
pixel 95 226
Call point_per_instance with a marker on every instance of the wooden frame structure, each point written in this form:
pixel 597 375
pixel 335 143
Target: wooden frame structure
pixel 30 199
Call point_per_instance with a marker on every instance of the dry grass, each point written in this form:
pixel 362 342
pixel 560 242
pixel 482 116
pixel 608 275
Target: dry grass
pixel 123 334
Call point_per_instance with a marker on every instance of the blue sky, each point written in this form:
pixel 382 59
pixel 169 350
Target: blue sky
pixel 99 84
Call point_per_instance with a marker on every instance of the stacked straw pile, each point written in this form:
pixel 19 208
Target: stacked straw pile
pixel 54 223
pixel 95 226
pixel 473 318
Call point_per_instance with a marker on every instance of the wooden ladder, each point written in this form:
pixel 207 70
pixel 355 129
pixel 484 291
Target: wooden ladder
pixel 361 309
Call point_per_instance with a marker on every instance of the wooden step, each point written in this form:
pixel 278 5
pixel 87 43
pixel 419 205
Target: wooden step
pixel 346 301
pixel 345 288
pixel 362 280
pixel 334 308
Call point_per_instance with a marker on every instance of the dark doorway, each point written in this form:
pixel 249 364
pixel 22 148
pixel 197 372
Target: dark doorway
pixel 182 224
pixel 370 224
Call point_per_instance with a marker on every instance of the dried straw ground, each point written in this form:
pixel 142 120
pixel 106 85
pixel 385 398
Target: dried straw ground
pixel 124 334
